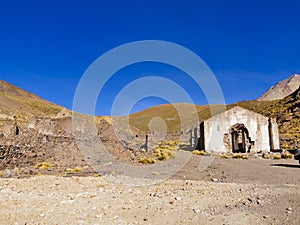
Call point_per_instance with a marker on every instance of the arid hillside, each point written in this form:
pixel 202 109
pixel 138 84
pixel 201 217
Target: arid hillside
pixel 17 102
pixel 172 116
pixel 169 113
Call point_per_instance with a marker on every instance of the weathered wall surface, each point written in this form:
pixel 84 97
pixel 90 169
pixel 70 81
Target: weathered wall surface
pixel 40 139
pixel 275 134
pixel 217 129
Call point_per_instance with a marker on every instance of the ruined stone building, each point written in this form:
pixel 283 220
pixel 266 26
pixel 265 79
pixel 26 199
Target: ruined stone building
pixel 38 139
pixel 238 130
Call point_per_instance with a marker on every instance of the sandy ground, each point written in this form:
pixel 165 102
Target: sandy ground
pixel 254 191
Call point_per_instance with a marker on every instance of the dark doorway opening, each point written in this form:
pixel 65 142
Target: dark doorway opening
pixel 17 130
pixel 241 142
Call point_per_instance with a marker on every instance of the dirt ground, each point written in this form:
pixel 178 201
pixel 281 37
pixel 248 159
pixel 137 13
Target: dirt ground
pixel 251 171
pixel 230 191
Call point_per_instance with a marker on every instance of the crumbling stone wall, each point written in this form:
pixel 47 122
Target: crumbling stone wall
pixel 25 143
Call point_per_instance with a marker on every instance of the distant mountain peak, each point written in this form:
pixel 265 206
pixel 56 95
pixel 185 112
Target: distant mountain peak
pixel 282 89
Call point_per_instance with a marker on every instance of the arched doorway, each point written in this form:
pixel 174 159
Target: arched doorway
pixel 241 142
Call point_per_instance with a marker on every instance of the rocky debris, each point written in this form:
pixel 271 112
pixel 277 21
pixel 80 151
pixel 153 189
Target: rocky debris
pixel 96 200
pixel 253 200
pixel 13 155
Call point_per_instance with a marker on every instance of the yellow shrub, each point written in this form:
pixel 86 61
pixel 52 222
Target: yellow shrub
pixel 145 160
pixel 237 156
pixel 42 165
pixel 39 165
pixel 276 156
pixel 163 156
pixel 97 175
pixel 151 160
pixel 77 170
pixel 266 156
pixel 286 155
pixel 175 142
pixel 197 152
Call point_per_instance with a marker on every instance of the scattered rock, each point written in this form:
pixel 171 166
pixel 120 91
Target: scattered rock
pixel 289 210
pixel 177 198
pixel 196 210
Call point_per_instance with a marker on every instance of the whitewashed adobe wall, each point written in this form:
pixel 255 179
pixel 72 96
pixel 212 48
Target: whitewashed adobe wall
pixel 258 126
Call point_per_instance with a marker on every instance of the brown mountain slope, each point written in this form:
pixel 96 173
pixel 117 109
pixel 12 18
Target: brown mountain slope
pixel 281 89
pixel 16 101
pixel 167 112
pixel 171 117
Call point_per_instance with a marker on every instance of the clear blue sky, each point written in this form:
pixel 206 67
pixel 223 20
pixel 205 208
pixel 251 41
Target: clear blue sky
pixel 46 46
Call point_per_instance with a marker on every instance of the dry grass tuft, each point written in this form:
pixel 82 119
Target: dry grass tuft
pixel 266 156
pixel 77 169
pixel 42 165
pixel 199 152
pixel 166 150
pixel 223 156
pixel 276 156
pixel 245 157
pixel 287 155
pixel 237 156
pixel 145 160
pixel 163 154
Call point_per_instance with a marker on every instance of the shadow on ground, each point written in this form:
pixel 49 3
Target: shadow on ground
pixel 286 165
